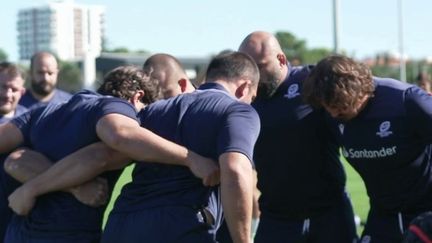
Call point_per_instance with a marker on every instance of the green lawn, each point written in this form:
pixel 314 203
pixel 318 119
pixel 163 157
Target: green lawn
pixel 356 191
pixel 124 178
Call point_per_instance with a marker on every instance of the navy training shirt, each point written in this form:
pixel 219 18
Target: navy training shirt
pixel 208 121
pixel 7 183
pixel 30 102
pixel 389 144
pixel 57 130
pixel 296 155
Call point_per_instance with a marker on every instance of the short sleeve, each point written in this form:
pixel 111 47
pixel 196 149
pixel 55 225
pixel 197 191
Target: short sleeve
pixel 24 121
pixel 239 130
pixel 110 105
pixel 418 105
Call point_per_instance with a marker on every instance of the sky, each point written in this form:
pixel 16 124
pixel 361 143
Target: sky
pixel 197 28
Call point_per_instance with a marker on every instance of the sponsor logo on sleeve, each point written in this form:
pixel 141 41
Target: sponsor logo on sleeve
pixel 292 91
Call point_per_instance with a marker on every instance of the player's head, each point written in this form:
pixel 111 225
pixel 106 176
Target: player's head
pixel 237 70
pixel 11 87
pixel 43 73
pixel 420 229
pixel 266 51
pixel 132 84
pixel 340 85
pixel 169 73
pixel 423 80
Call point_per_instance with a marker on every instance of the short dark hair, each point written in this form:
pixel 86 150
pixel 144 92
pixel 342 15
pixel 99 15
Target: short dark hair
pixel 124 81
pixel 232 66
pixel 338 81
pixel 11 70
pixel 423 77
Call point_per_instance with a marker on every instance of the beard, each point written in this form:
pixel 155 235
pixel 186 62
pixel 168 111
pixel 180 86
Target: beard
pixel 268 88
pixel 42 88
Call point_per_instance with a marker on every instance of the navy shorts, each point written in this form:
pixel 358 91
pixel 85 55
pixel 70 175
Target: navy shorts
pixel 166 224
pixel 5 217
pixel 18 233
pixel 335 225
pixel 7 186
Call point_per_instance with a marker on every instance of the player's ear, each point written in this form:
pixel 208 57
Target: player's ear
pixel 183 83
pixel 137 98
pixel 282 59
pixel 243 89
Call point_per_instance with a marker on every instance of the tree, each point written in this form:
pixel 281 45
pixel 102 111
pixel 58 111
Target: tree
pixel 312 56
pixel 70 77
pixel 291 46
pixel 3 56
pixel 297 51
pixel 119 50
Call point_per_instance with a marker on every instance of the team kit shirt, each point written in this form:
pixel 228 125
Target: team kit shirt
pixel 209 122
pixel 56 131
pixel 389 144
pixel 296 156
pixel 7 183
pixel 29 101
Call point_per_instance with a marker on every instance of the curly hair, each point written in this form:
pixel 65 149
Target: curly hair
pixel 124 81
pixel 338 81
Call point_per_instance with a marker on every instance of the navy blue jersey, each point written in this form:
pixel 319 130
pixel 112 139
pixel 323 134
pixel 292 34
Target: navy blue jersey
pixel 7 183
pixel 56 131
pixel 296 155
pixel 18 111
pixel 28 101
pixel 388 143
pixel 208 121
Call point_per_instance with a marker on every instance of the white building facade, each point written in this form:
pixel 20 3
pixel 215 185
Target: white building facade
pixel 71 31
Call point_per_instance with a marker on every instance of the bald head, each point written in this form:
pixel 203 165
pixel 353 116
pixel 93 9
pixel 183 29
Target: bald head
pixel 260 43
pixel 169 73
pixel 266 51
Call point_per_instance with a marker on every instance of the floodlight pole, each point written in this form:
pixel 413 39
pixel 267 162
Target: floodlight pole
pixel 402 64
pixel 336 26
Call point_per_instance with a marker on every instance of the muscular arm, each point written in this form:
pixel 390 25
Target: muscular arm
pixel 10 137
pixel 75 174
pixel 42 176
pixel 120 133
pixel 237 194
pixel 125 135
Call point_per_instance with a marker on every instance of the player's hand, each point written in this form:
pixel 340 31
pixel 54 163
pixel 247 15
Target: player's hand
pixel 93 193
pixel 204 168
pixel 22 200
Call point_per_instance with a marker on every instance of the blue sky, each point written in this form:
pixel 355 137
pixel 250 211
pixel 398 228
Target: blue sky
pixel 199 27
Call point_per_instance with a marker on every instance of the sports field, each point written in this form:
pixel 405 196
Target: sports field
pixel 356 191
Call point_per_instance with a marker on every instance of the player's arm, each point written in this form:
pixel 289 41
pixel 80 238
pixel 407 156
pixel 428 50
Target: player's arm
pixel 125 135
pixel 10 137
pixel 236 141
pixel 255 206
pixel 237 194
pixel 75 173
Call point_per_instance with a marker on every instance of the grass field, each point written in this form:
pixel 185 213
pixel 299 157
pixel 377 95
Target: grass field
pixel 357 192
pixel 355 186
